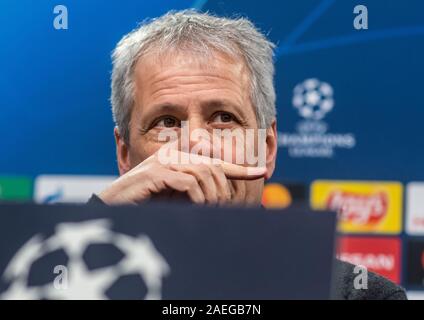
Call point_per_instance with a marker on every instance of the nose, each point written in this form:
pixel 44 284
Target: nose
pixel 196 138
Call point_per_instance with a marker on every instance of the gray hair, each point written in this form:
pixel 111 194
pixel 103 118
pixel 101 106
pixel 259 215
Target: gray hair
pixel 201 32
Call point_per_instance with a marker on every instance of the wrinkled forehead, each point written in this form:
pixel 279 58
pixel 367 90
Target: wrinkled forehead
pixel 157 63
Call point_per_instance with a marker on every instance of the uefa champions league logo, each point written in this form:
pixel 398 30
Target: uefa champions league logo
pixel 140 257
pixel 314 99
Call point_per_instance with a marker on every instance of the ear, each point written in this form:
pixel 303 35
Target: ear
pixel 271 149
pixel 122 153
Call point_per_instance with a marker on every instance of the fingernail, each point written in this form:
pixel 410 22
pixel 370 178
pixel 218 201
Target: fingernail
pixel 256 171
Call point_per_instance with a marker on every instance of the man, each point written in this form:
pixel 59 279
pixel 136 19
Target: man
pixel 178 83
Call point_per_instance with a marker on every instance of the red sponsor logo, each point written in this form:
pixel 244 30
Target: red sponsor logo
pixel 380 262
pixel 380 255
pixel 422 259
pixel 359 208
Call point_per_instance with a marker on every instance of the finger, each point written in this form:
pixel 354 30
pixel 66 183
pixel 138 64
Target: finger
pixel 203 174
pixel 231 171
pixel 222 184
pixel 160 179
pixel 155 180
pixel 183 182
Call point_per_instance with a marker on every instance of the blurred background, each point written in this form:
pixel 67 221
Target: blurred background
pixel 349 101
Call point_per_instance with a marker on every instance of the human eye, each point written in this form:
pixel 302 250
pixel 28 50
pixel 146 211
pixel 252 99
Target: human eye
pixel 167 122
pixel 223 117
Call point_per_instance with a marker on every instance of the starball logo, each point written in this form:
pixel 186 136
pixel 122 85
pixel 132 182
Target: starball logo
pixel 314 99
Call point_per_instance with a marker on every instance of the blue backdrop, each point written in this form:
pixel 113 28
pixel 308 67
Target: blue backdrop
pixel 54 84
pixel 55 87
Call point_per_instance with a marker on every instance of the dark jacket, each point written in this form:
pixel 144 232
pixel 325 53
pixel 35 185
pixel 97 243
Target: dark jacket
pixel 378 287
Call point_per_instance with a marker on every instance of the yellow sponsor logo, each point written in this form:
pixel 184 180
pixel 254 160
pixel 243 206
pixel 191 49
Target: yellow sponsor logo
pixel 362 207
